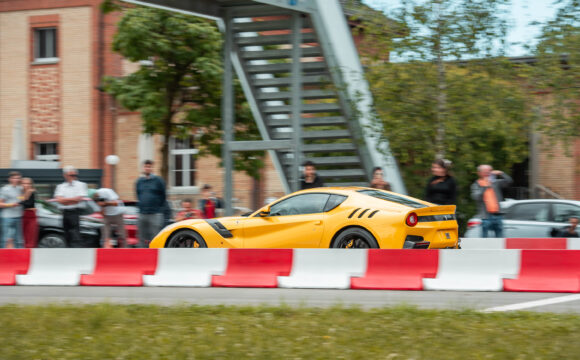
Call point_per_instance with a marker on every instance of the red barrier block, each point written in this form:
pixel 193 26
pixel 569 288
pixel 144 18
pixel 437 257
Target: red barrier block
pixel 547 271
pixel 12 262
pixel 255 268
pixel 536 243
pixel 397 269
pixel 121 267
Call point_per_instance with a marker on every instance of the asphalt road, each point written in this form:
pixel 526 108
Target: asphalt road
pixel 366 299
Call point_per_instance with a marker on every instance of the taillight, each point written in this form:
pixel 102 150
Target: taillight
pixel 412 219
pixel 473 223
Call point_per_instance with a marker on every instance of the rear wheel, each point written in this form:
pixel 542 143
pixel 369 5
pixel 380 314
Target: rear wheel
pixel 185 239
pixel 355 238
pixel 52 240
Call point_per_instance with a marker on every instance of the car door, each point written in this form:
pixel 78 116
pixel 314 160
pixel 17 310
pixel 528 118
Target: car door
pixel 527 220
pixel 294 222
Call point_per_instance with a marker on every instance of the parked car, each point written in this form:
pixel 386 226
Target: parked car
pixel 51 233
pixel 530 218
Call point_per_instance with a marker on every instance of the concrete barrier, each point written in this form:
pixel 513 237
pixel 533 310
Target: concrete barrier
pixel 474 270
pixel 187 267
pixel 324 268
pixel 521 243
pixel 58 267
pixel 121 267
pixel 13 262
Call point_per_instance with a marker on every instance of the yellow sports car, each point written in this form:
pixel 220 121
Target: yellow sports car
pixel 339 217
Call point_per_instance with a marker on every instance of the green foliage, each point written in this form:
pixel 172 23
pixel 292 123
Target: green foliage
pixel 557 72
pixel 450 93
pixel 177 88
pixel 113 331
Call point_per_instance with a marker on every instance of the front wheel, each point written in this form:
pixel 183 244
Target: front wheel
pixel 185 239
pixel 355 238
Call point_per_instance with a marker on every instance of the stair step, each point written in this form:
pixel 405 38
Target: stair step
pixel 321 148
pixel 273 39
pixel 328 160
pixel 287 81
pixel 306 94
pixel 305 108
pixel 308 66
pixel 341 184
pixel 315 135
pixel 341 173
pixel 268 25
pixel 315 51
pixel 309 121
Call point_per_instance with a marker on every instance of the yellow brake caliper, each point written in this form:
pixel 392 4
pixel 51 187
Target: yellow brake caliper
pixel 350 244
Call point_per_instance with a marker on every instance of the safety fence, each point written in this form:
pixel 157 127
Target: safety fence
pixel 459 270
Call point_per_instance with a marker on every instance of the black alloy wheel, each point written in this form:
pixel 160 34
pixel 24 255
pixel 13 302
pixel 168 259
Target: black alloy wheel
pixel 185 239
pixel 355 238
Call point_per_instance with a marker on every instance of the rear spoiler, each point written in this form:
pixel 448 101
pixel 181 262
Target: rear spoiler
pixel 440 209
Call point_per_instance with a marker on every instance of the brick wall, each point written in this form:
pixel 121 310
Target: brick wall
pixel 558 169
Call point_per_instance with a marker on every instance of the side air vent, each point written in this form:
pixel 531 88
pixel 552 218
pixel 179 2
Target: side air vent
pixel 353 212
pixel 362 213
pixel 373 213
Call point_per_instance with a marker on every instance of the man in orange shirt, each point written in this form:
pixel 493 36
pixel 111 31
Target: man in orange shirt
pixel 487 190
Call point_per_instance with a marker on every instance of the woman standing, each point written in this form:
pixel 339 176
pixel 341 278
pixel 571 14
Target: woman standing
pixel 29 223
pixel 378 182
pixel 441 188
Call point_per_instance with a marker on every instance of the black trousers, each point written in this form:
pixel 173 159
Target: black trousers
pixel 71 224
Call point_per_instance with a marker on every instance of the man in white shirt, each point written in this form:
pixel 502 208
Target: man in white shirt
pixel 70 195
pixel 112 210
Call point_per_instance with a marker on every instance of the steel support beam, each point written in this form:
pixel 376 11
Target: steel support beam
pixel 228 114
pixel 260 145
pixel 296 98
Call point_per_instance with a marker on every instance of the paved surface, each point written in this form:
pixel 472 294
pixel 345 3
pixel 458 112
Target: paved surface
pixel 545 302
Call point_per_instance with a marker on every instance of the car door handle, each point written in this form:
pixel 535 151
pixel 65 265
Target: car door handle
pixel 318 222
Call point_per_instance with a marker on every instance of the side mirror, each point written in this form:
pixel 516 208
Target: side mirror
pixel 265 211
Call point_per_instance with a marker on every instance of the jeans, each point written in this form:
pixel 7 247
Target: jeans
pixel 148 227
pixel 493 222
pixel 12 229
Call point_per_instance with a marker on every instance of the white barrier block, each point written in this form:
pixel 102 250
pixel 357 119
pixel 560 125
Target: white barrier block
pixel 187 267
pixel 573 244
pixel 59 267
pixel 474 270
pixel 324 268
pixel 482 243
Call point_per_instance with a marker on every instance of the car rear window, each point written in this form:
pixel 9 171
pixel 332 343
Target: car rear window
pixel 393 198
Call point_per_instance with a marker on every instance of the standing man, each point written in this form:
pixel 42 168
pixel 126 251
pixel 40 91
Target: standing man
pixel 310 179
pixel 10 197
pixel 112 210
pixel 208 203
pixel 152 198
pixel 70 195
pixel 487 190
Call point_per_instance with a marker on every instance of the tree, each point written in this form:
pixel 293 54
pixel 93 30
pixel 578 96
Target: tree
pixel 450 92
pixel 558 72
pixel 177 88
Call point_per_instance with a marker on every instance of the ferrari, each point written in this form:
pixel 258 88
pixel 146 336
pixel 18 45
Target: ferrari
pixel 339 217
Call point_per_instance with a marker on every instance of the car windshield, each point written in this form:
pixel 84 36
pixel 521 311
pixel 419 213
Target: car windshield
pixel 47 208
pixel 393 198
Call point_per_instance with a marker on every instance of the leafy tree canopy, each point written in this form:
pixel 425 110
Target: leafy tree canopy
pixel 177 88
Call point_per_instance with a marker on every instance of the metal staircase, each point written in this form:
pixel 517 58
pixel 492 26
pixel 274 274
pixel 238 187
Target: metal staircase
pixel 301 74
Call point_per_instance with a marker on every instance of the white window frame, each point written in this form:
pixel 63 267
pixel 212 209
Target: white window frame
pixel 46 157
pixel 52 43
pixel 186 162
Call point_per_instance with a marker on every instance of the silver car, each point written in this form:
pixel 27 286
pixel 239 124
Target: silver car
pixel 530 218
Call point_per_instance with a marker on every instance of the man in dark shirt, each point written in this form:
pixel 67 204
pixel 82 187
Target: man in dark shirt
pixel 310 179
pixel 151 195
pixel 569 231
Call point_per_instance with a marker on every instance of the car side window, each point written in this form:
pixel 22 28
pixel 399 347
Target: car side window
pixel 300 204
pixel 529 212
pixel 563 212
pixel 334 201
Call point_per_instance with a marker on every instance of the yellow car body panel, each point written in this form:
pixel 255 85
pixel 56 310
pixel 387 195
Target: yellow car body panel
pixel 384 219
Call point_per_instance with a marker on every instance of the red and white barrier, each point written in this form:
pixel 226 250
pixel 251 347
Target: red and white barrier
pixel 187 267
pixel 62 267
pixel 324 268
pixel 459 270
pixel 521 243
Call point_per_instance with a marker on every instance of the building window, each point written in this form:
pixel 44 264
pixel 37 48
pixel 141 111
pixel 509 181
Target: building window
pixel 46 151
pixel 182 162
pixel 45 45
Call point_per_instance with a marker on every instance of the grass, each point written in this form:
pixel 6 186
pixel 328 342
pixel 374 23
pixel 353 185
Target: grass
pixel 109 331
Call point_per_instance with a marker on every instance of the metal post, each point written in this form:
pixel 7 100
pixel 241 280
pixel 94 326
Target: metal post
pixel 228 114
pixel 296 99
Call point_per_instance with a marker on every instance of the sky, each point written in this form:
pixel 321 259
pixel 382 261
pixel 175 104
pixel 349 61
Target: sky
pixel 523 12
